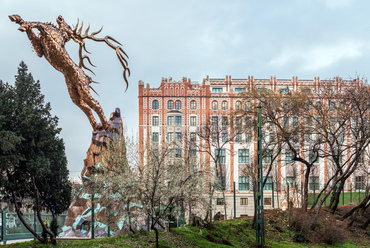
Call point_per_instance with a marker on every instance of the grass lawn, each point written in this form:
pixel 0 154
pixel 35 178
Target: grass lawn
pixel 349 197
pixel 236 233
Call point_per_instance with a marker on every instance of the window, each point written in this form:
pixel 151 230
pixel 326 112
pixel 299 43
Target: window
pixel 243 201
pixel 214 105
pixel 216 90
pixel 155 137
pixel 239 90
pixel 220 154
pixel 295 121
pixel 359 183
pixel 169 136
pixel 288 156
pixel 238 138
pixel 238 105
pixel 284 91
pixel 193 120
pixel 169 120
pixel 193 136
pixel 267 201
pixel 313 183
pixel 214 120
pixel 193 153
pixel 331 106
pixel 318 105
pixel 224 105
pixel 290 181
pixel 225 121
pixel 155 104
pixel 221 183
pixel 214 137
pixel 178 120
pixel 341 138
pixel 248 137
pixel 243 156
pixel 248 105
pixel 285 122
pixel 177 153
pixel 178 105
pixel 267 156
pixel 155 120
pixel 238 121
pixel 309 106
pixel 338 155
pixel 178 136
pixel 193 105
pixel 220 201
pixel 170 104
pixel 268 185
pixel 224 137
pixel 308 137
pixel 243 183
pixel 314 155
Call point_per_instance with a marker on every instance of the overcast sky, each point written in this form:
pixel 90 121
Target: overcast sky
pixel 192 39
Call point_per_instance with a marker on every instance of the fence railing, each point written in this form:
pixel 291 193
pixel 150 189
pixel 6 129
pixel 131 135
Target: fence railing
pixel 12 227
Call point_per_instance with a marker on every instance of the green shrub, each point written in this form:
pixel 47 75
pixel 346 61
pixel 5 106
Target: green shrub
pixel 299 238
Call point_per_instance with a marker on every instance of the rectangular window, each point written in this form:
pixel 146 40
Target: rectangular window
pixel 220 201
pixel 169 120
pixel 267 201
pixel 313 183
pixel 314 155
pixel 288 156
pixel 193 120
pixel 216 90
pixel 170 137
pixel 193 152
pixel 224 121
pixel 248 137
pixel 284 91
pixel 238 90
pixel 214 120
pixel 268 185
pixel 178 136
pixel 224 137
pixel 177 153
pixel 360 183
pixel 155 120
pixel 285 122
pixel 220 155
pixel 193 136
pixel 178 120
pixel 243 156
pixel 238 121
pixel 221 183
pixel 214 137
pixel 290 181
pixel 266 158
pixel 243 183
pixel 155 137
pixel 243 201
pixel 238 138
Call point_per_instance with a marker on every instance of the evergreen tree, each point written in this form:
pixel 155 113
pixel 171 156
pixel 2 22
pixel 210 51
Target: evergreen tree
pixel 39 165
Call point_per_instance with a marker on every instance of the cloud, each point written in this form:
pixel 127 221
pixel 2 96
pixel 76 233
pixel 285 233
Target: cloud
pixel 319 56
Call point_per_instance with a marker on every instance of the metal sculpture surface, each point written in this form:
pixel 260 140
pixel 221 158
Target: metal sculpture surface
pixel 50 43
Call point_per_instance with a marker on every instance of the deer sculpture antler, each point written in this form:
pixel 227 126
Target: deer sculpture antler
pixel 108 40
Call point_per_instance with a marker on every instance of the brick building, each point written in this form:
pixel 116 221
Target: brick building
pixel 176 110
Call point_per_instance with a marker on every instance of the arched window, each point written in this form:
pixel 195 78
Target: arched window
pixel 238 105
pixel 155 104
pixel 224 105
pixel 214 105
pixel 193 105
pixel 170 104
pixel 331 106
pixel 178 105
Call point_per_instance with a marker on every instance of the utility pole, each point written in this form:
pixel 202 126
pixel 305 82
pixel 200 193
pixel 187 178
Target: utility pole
pixel 260 220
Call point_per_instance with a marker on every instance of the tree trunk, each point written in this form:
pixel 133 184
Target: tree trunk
pixel 335 203
pixel 224 199
pixel 305 189
pixel 156 238
pixel 24 222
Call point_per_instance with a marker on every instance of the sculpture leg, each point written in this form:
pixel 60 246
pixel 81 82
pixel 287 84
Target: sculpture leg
pixel 76 99
pixel 94 104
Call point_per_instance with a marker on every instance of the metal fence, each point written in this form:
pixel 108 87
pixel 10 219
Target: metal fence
pixel 13 229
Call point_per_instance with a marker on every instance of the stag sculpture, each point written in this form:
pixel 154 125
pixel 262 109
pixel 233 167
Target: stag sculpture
pixel 50 43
